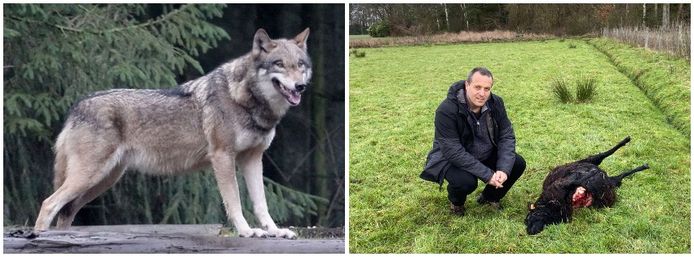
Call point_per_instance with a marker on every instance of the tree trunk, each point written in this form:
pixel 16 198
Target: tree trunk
pixel 666 15
pixel 678 18
pixel 655 14
pixel 467 22
pixel 445 10
pixel 626 7
pixel 643 17
pixel 319 104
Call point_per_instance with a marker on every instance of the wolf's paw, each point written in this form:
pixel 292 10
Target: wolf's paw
pixel 253 232
pixel 282 232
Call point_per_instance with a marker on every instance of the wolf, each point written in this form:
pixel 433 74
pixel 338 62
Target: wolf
pixel 574 185
pixel 224 119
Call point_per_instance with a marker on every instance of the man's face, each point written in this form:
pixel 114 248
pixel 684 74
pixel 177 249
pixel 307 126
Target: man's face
pixel 478 90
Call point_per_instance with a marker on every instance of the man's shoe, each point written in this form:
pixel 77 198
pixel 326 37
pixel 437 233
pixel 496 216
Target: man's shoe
pixel 457 209
pixel 496 205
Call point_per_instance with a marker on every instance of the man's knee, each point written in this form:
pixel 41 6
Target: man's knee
pixel 461 181
pixel 518 165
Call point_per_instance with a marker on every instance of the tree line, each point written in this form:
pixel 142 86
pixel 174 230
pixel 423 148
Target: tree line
pixel 557 19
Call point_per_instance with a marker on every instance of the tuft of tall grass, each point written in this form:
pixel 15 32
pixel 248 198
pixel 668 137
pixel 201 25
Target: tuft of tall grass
pixel 560 89
pixel 572 45
pixel 585 89
pixel 357 53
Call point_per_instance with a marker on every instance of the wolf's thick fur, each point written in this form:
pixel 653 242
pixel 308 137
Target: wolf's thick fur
pixel 225 119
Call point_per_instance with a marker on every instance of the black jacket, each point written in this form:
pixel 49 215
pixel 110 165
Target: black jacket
pixel 454 134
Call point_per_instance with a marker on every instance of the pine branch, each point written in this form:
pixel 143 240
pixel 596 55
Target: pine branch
pixel 151 22
pixel 62 28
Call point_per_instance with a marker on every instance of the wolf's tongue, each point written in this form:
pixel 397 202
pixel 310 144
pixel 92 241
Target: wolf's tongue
pixel 294 98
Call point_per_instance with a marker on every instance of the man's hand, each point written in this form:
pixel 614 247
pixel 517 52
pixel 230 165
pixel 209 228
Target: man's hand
pixel 502 176
pixel 498 179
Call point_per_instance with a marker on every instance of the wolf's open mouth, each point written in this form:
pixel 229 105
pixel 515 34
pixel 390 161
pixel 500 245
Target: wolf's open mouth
pixel 581 198
pixel 292 96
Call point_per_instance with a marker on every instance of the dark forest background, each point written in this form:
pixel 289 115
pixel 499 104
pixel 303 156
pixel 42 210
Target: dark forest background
pixel 56 53
pixel 557 19
pixel 661 27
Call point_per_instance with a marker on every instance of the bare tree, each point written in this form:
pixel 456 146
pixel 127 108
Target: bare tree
pixel 655 14
pixel 643 17
pixel 666 15
pixel 467 22
pixel 678 18
pixel 445 9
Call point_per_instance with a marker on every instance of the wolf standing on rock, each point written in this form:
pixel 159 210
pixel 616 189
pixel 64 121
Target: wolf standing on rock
pixel 225 119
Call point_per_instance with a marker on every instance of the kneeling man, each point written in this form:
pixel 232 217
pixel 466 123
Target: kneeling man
pixel 473 140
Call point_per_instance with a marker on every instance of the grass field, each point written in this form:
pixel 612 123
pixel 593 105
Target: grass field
pixel 363 36
pixel 393 94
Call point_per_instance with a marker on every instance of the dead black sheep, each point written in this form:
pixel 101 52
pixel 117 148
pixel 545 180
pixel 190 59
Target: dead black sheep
pixel 575 185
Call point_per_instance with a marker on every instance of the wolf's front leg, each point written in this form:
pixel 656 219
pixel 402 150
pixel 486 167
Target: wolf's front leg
pixel 251 163
pixel 225 173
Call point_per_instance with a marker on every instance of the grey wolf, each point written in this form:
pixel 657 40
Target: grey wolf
pixel 574 185
pixel 225 119
pixel 473 139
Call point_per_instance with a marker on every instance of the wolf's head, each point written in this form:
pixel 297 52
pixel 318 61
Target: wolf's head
pixel 284 67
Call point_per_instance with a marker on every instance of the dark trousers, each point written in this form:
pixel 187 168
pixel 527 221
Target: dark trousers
pixel 462 183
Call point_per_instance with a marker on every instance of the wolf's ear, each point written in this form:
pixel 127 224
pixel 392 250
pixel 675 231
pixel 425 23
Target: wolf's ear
pixel 302 38
pixel 262 42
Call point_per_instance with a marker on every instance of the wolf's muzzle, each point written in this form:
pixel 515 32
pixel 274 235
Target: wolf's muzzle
pixel 301 87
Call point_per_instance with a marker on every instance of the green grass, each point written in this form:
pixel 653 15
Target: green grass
pixel 663 78
pixel 363 36
pixel 393 95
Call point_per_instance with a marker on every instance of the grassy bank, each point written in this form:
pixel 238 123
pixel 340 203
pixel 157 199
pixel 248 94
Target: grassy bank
pixel 663 78
pixel 393 95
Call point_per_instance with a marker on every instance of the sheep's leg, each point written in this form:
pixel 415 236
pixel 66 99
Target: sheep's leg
pixel 617 180
pixel 597 159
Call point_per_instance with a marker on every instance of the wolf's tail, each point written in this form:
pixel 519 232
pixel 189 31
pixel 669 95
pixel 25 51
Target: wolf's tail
pixel 618 179
pixel 60 165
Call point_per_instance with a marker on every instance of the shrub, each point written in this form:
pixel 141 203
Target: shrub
pixel 585 89
pixel 561 90
pixel 379 29
pixel 357 53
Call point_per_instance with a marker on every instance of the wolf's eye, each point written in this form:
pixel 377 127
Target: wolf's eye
pixel 302 64
pixel 279 64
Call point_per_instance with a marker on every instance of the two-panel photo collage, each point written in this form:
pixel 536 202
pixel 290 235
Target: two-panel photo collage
pixel 347 128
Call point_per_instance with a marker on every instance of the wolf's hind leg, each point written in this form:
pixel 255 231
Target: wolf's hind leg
pixel 67 215
pixel 251 164
pixel 81 175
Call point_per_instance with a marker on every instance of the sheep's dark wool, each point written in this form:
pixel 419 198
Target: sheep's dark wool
pixel 575 185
